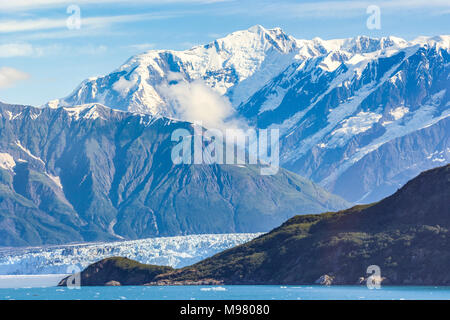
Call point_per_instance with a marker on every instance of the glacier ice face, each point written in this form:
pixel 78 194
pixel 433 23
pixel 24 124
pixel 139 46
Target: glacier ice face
pixel 222 65
pixel 177 252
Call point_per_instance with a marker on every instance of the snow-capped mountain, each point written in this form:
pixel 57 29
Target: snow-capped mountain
pixel 227 66
pixel 360 116
pixel 235 66
pixel 176 252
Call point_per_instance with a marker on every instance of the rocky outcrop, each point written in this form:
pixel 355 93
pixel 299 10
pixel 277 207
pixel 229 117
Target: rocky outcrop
pixel 117 271
pixel 325 280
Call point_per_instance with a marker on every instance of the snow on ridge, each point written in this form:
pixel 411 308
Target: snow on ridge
pixel 7 161
pixel 76 111
pixel 175 251
pixel 355 45
pixel 28 152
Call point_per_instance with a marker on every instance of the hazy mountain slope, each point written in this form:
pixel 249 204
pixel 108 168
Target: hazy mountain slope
pixel 407 235
pixel 390 166
pixel 91 173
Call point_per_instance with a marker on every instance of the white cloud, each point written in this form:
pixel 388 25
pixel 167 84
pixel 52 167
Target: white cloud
pixel 174 76
pixel 123 86
pixel 9 76
pixel 196 102
pixel 16 50
pixel 11 26
pixel 39 4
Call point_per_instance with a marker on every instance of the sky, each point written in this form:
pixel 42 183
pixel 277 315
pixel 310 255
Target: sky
pixel 46 51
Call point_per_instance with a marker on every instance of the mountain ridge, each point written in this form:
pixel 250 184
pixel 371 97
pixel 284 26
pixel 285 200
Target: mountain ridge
pixel 93 174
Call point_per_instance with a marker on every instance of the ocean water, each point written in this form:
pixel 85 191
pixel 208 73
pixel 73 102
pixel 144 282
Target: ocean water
pixel 30 281
pixel 227 292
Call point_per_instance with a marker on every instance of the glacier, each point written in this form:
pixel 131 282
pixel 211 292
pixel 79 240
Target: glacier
pixel 177 252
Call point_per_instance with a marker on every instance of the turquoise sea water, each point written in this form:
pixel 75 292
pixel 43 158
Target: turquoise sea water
pixel 228 292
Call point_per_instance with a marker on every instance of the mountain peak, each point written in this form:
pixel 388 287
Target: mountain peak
pixel 258 38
